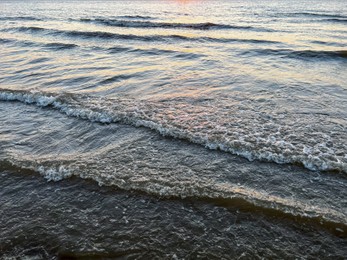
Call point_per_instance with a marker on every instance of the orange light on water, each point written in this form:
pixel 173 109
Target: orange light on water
pixel 184 1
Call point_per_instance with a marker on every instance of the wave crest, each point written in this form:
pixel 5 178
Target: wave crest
pixel 304 54
pixel 148 38
pixel 167 25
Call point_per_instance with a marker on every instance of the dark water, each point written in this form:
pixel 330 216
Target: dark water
pixel 173 129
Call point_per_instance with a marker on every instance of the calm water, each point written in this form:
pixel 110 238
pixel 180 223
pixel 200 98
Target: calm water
pixel 173 129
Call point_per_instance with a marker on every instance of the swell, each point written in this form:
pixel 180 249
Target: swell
pixel 153 52
pixel 335 44
pixel 112 50
pixel 311 14
pixel 167 25
pixel 4 40
pixel 51 45
pixel 189 124
pixel 143 17
pixel 117 36
pixel 336 20
pixel 246 201
pixel 60 46
pixel 304 54
pixel 20 18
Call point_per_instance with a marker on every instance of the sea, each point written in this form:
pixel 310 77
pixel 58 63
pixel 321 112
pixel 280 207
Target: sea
pixel 173 129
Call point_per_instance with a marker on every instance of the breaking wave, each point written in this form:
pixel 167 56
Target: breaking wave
pixel 244 197
pixel 255 136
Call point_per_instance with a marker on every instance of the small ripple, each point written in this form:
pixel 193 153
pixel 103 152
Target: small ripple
pixel 117 78
pixel 38 60
pixel 3 40
pixel 328 43
pixel 305 54
pixel 336 20
pixel 60 46
pixel 51 45
pixel 20 18
pixel 143 17
pixel 118 49
pixel 311 14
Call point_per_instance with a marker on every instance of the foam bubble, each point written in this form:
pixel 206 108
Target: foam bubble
pixel 54 173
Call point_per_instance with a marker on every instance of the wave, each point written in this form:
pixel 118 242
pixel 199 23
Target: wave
pixel 143 17
pixel 149 38
pixel 29 29
pixel 60 46
pixel 118 78
pixel 336 20
pixel 223 194
pixel 255 137
pixel 305 54
pixel 166 25
pixel 136 159
pixel 336 44
pixel 3 40
pixel 117 49
pixel 156 51
pixel 321 15
pixel 51 45
pixel 20 18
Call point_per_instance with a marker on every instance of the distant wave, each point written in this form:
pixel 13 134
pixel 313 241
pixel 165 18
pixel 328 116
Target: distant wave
pixel 60 46
pixel 337 20
pixel 3 40
pixel 117 49
pixel 148 24
pixel 20 18
pixel 305 54
pixel 322 15
pixel 188 123
pixel 143 17
pixel 337 44
pixel 27 28
pixel 150 38
pixel 156 51
pixel 51 45
pixel 31 18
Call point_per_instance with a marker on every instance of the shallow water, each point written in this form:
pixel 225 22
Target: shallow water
pixel 214 108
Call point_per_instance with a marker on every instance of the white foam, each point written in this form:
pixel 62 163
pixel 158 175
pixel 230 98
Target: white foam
pixel 54 173
pixel 197 188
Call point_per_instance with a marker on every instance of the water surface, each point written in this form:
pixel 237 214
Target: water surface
pixel 233 111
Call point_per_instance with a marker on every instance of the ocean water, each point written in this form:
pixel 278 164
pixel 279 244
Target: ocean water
pixel 173 129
